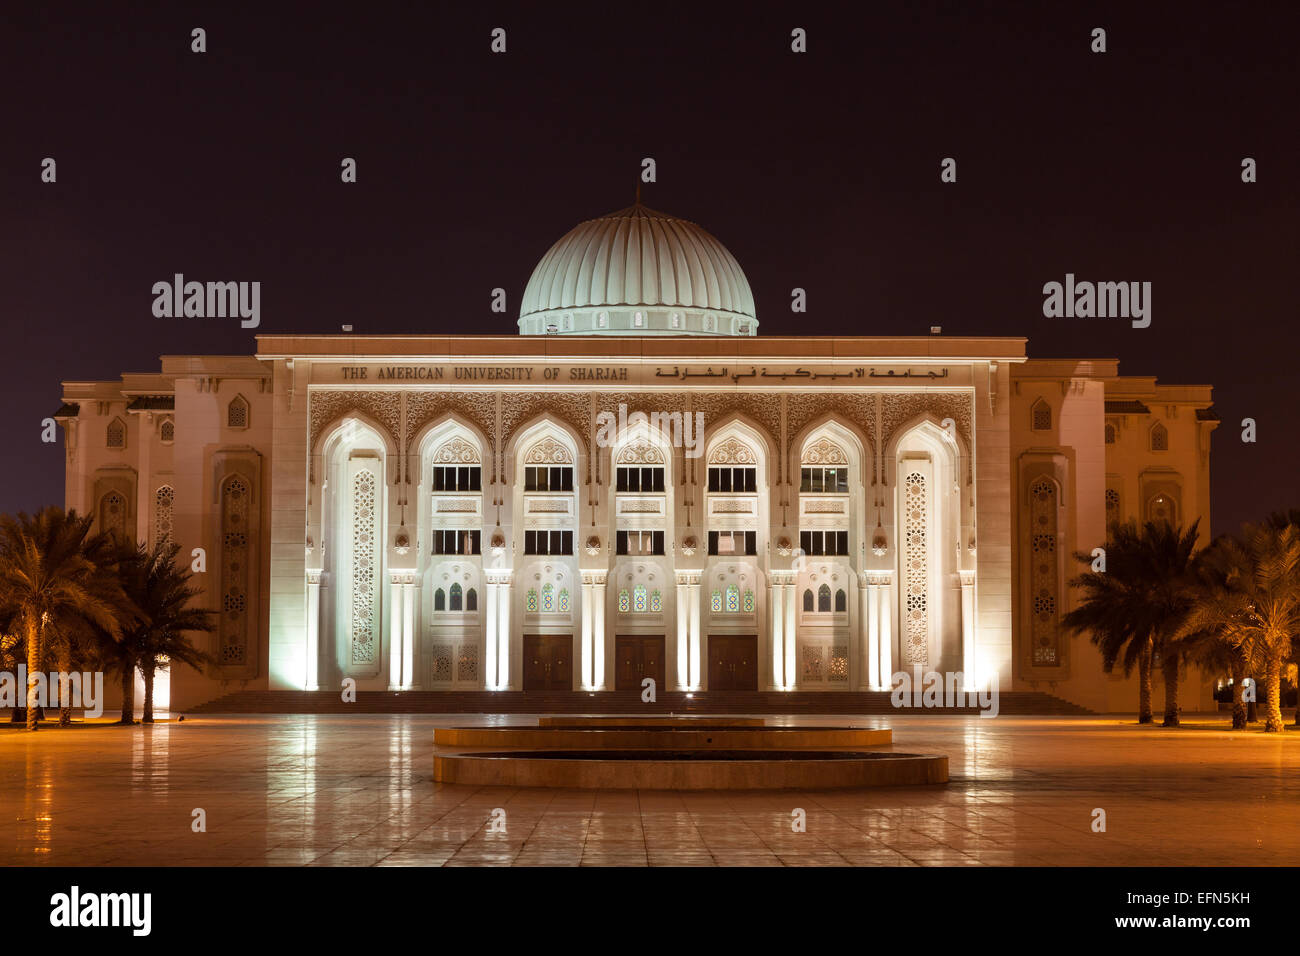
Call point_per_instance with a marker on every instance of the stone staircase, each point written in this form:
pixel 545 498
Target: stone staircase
pixel 1023 703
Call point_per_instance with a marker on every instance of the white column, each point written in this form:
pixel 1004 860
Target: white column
pixel 490 635
pixel 696 680
pixel 776 614
pixel 408 633
pixel 586 676
pixel 396 622
pixel 791 667
pixel 503 636
pixel 683 635
pixel 968 662
pixel 311 679
pixel 598 634
pixel 870 631
pixel 886 634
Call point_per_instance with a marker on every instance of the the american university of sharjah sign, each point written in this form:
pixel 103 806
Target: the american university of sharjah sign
pixel 724 373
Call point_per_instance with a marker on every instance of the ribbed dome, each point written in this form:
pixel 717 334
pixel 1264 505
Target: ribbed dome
pixel 638 271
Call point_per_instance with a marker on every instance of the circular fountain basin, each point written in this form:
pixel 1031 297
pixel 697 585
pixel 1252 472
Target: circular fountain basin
pixel 653 736
pixel 667 721
pixel 639 769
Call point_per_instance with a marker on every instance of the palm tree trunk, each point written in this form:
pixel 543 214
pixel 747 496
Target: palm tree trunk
pixel 128 694
pixel 1169 664
pixel 65 708
pixel 1238 695
pixel 33 668
pixel 1144 687
pixel 1273 690
pixel 148 668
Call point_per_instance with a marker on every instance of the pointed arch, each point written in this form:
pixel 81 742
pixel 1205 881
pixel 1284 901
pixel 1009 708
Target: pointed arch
pixel 238 412
pixel 1040 416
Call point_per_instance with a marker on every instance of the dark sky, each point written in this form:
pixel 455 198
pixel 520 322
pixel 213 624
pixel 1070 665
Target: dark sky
pixel 817 170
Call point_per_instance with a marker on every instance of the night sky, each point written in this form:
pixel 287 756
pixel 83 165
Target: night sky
pixel 818 170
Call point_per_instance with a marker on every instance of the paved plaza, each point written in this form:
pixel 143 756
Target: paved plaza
pixel 358 791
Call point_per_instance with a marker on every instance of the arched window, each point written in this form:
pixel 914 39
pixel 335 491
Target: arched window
pixel 656 602
pixel 237 413
pixel 1110 434
pixel 1040 416
pixel 455 598
pixel 1159 437
pixel 471 600
pixel 531 601
pixel 639 598
pixel 564 600
pixel 548 598
pixel 715 602
pixel 1044 573
pixel 1112 506
pixel 733 599
pixel 824 598
pixel 808 599
pixel 624 600
pixel 841 601
pixel 162 515
pixel 440 600
pixel 235 549
pixel 1162 509
pixel 749 601
pixel 167 432
pixel 112 515
pixel 116 435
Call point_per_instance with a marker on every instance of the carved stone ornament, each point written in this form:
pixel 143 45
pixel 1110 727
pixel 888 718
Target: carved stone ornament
pixel 593 545
pixel 548 451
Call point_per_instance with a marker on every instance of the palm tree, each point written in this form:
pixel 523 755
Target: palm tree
pixel 1132 610
pixel 49 584
pixel 1280 519
pixel 164 596
pixel 1256 608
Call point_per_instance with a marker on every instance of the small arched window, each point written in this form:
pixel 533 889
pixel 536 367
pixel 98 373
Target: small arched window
pixel 824 598
pixel 1110 434
pixel 1159 437
pixel 808 599
pixel 1040 416
pixel 471 600
pixel 733 599
pixel 116 436
pixel 841 601
pixel 167 432
pixel 237 413
pixel 440 600
pixel 455 598
pixel 548 598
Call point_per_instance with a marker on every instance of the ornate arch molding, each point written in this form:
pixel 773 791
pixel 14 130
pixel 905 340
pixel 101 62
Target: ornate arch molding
pixel 383 408
pixel 477 408
pixel 898 410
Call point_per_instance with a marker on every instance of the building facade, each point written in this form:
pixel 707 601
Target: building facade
pixel 638 485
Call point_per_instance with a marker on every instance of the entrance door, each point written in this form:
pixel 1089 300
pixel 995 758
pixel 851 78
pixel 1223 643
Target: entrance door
pixel 637 658
pixel 548 662
pixel 733 662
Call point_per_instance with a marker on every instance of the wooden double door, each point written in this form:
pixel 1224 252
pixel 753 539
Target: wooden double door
pixel 637 657
pixel 548 662
pixel 733 662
